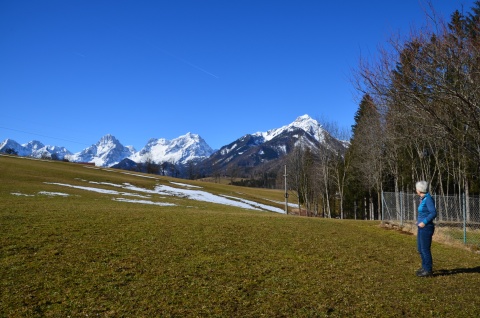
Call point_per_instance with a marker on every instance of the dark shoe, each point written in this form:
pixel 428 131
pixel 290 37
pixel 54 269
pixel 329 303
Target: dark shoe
pixel 419 271
pixel 424 273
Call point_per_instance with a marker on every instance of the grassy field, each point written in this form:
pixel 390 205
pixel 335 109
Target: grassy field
pixel 71 251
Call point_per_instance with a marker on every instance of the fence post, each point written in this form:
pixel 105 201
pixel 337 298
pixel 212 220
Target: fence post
pixel 464 210
pixel 414 201
pixel 382 198
pixel 401 208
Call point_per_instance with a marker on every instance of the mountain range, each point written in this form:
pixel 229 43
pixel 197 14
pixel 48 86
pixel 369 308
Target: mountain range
pixel 251 150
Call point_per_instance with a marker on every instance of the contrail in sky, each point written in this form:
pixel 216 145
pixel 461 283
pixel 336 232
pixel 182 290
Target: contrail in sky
pixel 188 63
pixel 79 54
pixel 36 134
pixel 164 51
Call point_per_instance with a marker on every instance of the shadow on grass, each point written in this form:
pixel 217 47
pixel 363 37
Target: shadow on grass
pixel 455 271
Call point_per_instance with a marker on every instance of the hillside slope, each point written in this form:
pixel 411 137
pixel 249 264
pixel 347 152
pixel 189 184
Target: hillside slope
pixel 81 241
pixel 34 177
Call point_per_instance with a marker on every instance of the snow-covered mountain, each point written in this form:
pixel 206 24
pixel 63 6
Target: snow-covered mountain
pixel 268 148
pixel 39 150
pixel 107 152
pixel 305 123
pixel 34 149
pixel 13 147
pixel 180 150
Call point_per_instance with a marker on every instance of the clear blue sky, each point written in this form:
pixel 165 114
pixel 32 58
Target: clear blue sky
pixel 73 71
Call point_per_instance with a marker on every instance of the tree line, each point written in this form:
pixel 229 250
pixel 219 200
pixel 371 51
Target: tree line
pixel 418 119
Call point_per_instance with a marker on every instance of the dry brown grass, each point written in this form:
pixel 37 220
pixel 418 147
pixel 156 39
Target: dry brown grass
pixel 87 255
pixel 442 235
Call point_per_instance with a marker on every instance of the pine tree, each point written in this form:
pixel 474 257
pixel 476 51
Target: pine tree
pixel 473 21
pixel 366 151
pixel 458 24
pixel 365 105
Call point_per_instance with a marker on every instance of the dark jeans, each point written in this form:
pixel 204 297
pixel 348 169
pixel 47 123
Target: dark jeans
pixel 424 243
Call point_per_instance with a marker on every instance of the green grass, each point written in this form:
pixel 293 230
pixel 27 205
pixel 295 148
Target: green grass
pixel 86 254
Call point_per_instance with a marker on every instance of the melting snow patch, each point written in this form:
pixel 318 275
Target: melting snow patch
pixel 139 175
pixel 22 194
pixel 98 190
pixel 143 202
pixel 201 196
pixel 106 183
pixel 259 205
pixel 85 188
pixel 191 194
pixel 293 205
pixel 185 185
pixel 54 193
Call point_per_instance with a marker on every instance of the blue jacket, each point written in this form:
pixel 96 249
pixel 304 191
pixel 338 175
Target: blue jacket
pixel 426 210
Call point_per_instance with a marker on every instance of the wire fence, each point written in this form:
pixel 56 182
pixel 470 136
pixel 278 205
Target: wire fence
pixel 458 217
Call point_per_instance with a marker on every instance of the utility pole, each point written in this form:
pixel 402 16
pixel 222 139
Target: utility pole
pixel 286 193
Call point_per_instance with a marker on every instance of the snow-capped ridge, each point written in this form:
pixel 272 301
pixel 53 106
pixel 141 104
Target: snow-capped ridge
pixel 106 152
pixel 305 123
pixel 178 150
pixel 109 151
pixel 33 145
pixel 34 149
pixel 270 147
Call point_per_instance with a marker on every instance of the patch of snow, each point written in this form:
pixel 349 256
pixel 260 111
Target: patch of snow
pixel 54 193
pixel 185 185
pixel 143 202
pixel 139 175
pixel 293 205
pixel 201 196
pixel 259 205
pixel 105 191
pixel 283 149
pixel 225 151
pixel 22 194
pixel 106 183
pixel 197 195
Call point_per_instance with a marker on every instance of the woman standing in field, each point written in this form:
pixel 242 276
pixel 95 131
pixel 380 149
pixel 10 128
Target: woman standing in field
pixel 426 227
